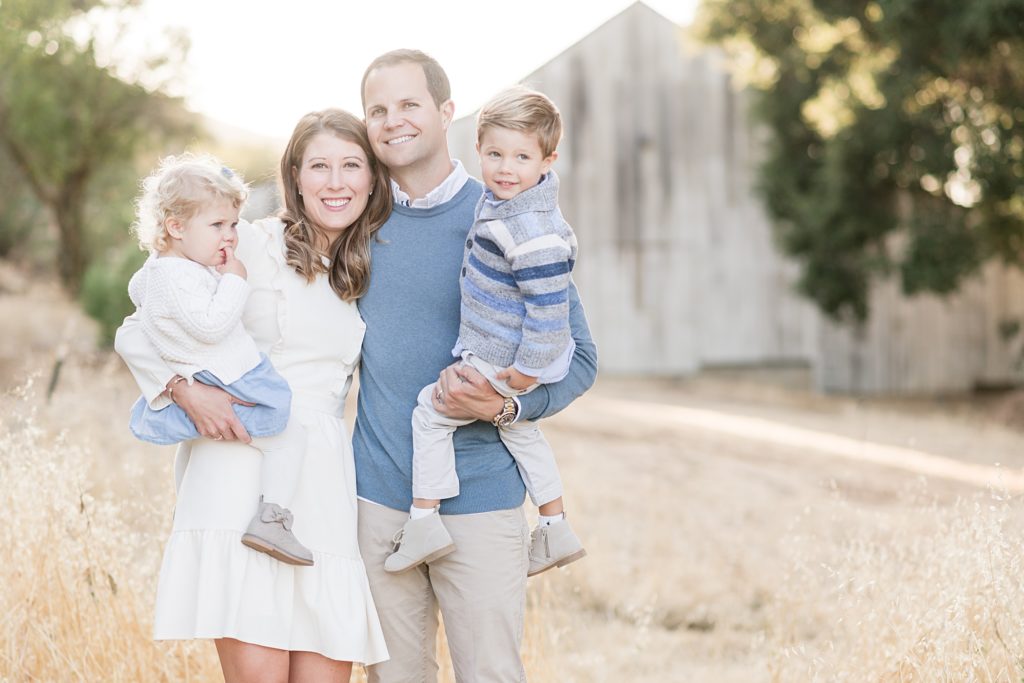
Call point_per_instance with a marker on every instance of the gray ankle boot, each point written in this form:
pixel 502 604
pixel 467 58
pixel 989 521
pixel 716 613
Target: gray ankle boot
pixel 270 532
pixel 418 541
pixel 553 546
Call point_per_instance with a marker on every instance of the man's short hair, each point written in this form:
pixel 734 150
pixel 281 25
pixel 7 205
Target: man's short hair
pixel 437 80
pixel 525 110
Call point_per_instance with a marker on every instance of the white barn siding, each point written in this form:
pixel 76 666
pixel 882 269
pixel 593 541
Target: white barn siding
pixel 927 344
pixel 678 268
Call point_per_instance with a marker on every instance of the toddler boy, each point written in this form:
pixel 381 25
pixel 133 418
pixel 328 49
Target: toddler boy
pixel 514 328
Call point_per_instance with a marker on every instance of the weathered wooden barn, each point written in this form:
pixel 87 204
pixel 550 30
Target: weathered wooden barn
pixel 678 268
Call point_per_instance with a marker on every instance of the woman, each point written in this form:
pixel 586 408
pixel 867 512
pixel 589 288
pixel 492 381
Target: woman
pixel 271 621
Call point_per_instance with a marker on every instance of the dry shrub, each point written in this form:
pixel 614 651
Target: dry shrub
pixel 934 594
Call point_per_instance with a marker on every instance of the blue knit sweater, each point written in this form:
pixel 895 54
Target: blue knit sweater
pixel 411 311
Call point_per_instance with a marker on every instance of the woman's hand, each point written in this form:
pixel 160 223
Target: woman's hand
pixel 463 393
pixel 516 379
pixel 210 410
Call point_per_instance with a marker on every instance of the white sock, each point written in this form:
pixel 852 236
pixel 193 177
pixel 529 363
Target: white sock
pixel 544 520
pixel 419 513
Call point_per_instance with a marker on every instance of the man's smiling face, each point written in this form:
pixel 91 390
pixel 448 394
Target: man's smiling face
pixel 405 126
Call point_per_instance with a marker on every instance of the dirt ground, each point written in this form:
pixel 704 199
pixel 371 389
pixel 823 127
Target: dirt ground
pixel 687 493
pixel 690 495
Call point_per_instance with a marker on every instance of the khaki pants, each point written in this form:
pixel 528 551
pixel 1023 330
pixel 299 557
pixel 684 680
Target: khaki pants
pixel 433 455
pixel 480 589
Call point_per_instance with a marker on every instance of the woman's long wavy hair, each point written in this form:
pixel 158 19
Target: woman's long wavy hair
pixel 349 269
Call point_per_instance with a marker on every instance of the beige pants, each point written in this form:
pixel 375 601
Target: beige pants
pixel 433 455
pixel 480 589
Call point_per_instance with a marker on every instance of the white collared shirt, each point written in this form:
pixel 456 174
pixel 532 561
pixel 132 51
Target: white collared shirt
pixel 448 188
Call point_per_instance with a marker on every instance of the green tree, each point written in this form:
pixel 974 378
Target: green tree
pixel 19 209
pixel 897 144
pixel 64 117
pixel 105 289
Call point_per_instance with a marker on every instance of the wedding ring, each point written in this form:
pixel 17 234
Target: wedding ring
pixel 440 395
pixel 219 437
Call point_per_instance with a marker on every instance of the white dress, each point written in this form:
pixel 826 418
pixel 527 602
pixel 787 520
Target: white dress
pixel 212 586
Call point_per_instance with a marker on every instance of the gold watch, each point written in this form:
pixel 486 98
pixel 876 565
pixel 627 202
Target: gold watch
pixel 508 414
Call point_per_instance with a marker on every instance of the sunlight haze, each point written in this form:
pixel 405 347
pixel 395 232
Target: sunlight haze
pixel 262 66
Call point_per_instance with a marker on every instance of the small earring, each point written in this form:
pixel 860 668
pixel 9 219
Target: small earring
pixel 300 193
pixel 371 191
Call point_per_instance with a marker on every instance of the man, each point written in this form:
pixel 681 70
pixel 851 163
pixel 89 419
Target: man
pixel 412 315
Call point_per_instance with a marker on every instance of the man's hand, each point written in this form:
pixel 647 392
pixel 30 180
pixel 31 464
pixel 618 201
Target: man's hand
pixel 210 410
pixel 516 379
pixel 463 393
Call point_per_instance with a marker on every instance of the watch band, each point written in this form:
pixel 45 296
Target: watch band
pixel 509 411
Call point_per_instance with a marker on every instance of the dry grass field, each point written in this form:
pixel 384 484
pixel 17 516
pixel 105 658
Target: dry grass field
pixel 738 530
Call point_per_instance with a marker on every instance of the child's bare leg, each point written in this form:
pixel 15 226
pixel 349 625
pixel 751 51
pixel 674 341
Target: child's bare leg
pixel 425 503
pixel 552 508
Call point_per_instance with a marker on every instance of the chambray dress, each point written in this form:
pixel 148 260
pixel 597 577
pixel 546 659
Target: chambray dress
pixel 262 385
pixel 212 586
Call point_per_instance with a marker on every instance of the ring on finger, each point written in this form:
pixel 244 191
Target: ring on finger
pixel 219 437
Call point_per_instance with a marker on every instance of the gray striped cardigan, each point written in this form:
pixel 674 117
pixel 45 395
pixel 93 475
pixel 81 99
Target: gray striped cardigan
pixel 515 278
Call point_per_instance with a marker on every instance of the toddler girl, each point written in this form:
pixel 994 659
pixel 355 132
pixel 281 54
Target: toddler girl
pixel 190 295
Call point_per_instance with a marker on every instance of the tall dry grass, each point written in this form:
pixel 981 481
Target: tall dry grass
pixel 87 509
pixel 79 569
pixel 81 562
pixel 934 594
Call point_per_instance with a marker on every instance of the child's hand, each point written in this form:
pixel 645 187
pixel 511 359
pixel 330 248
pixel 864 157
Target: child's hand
pixel 516 379
pixel 232 265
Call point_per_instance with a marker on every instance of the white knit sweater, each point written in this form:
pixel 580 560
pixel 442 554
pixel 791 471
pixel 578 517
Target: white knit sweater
pixel 192 315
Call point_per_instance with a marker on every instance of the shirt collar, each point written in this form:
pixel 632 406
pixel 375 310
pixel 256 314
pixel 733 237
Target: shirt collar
pixel 448 188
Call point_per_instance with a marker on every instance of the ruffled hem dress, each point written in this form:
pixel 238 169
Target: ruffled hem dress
pixel 212 586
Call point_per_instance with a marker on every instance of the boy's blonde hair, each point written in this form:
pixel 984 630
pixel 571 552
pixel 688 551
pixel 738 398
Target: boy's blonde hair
pixel 525 110
pixel 178 188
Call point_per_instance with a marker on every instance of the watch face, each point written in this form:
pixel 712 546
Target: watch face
pixel 507 415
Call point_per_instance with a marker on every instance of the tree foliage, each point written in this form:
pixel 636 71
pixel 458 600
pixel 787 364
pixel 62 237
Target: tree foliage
pixel 19 209
pixel 897 147
pixel 64 117
pixel 104 295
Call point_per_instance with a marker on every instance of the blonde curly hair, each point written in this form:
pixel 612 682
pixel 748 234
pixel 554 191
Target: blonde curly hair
pixel 178 188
